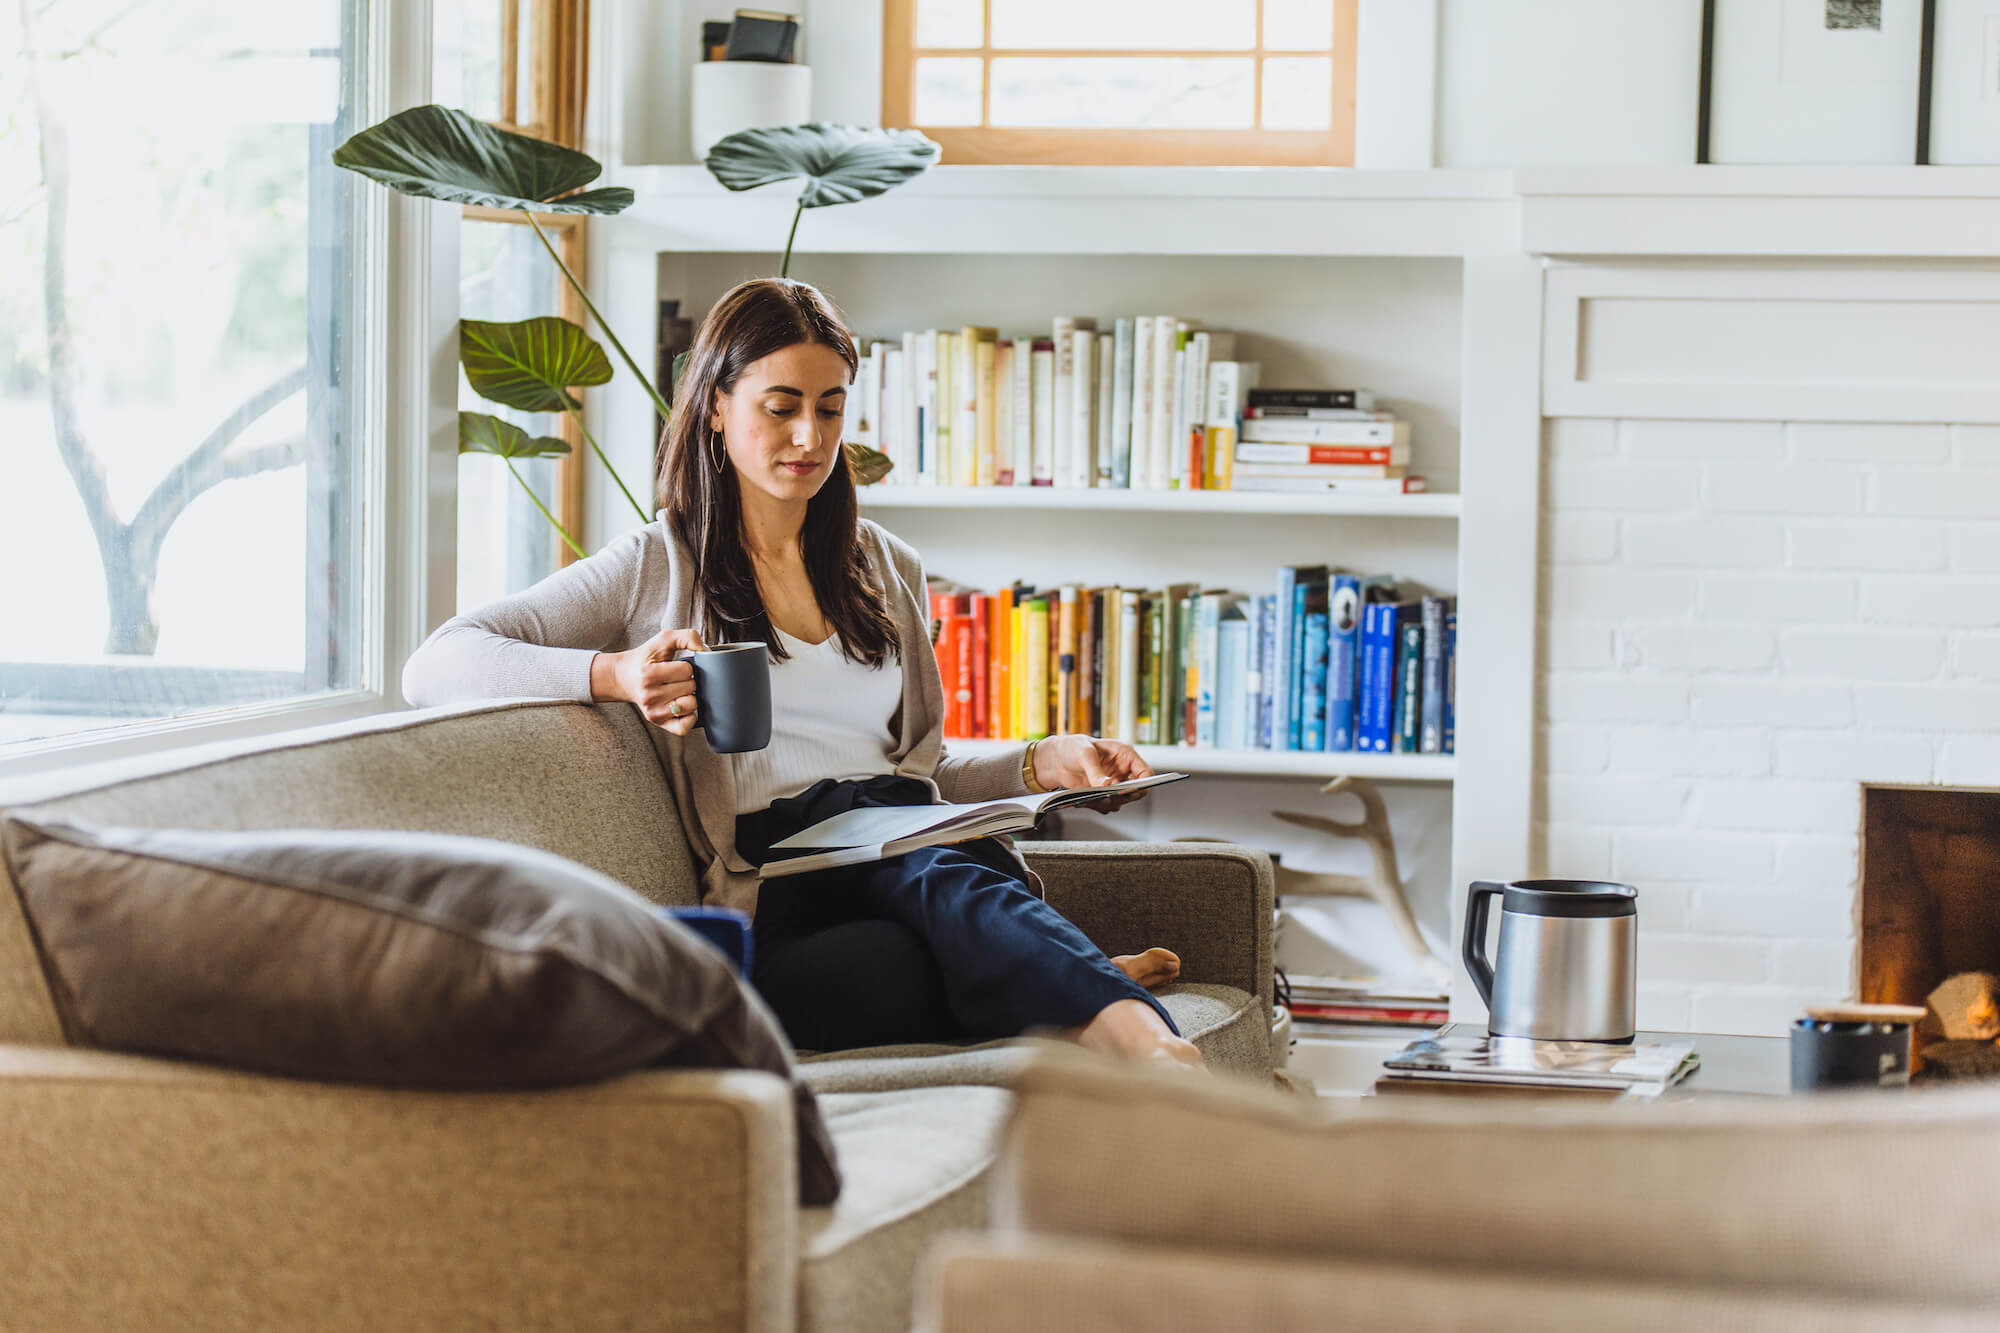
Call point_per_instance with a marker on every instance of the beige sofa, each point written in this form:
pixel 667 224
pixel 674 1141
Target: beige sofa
pixel 1126 1203
pixel 148 1193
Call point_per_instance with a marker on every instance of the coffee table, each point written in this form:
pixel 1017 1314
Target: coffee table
pixel 1349 1064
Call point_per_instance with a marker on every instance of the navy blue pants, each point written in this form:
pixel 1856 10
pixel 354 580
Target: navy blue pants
pixel 939 944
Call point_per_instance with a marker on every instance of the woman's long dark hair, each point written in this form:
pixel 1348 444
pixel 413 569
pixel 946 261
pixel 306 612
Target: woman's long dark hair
pixel 704 505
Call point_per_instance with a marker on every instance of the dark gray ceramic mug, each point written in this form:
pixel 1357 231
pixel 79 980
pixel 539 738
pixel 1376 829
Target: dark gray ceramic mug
pixel 732 693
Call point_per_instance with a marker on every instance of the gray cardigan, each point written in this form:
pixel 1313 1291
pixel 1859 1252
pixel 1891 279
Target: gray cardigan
pixel 540 642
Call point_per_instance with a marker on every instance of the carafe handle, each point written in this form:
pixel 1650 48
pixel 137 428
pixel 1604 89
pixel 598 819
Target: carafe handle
pixel 1478 905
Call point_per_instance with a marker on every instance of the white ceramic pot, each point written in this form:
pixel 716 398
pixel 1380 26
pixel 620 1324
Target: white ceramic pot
pixel 732 95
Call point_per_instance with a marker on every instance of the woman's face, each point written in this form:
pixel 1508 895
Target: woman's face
pixel 781 424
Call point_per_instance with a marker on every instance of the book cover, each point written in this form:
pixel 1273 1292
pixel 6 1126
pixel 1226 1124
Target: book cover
pixel 979 408
pixel 1062 411
pixel 1253 672
pixel 1317 413
pixel 1083 407
pixel 1177 409
pixel 1316 454
pixel 1160 416
pixel 907 461
pixel 857 422
pixel 1312 710
pixel 1089 661
pixel 927 401
pixel 895 416
pixel 1003 412
pixel 1149 667
pixel 1430 726
pixel 1232 674
pixel 1267 692
pixel 1343 609
pixel 1315 472
pixel 1111 623
pixel 978 655
pixel 1409 678
pixel 1043 358
pixel 1121 402
pixel 1186 682
pixel 943 652
pixel 1175 606
pixel 1281 667
pixel 947 408
pixel 1450 739
pixel 1338 486
pixel 1067 628
pixel 1352 398
pixel 1142 402
pixel 1002 688
pixel 1371 690
pixel 1128 666
pixel 1229 382
pixel 1465 1051
pixel 1308 595
pixel 1101 395
pixel 1037 654
pixel 1023 365
pixel 1193 440
pixel 1291 430
pixel 1207 663
pixel 961 671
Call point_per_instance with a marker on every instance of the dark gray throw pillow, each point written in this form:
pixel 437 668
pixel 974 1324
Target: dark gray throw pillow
pixel 371 956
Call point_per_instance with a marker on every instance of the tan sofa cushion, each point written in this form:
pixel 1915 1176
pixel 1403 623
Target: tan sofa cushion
pixel 402 959
pixel 1875 1195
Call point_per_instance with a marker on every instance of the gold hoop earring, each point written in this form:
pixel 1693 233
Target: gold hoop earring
pixel 716 450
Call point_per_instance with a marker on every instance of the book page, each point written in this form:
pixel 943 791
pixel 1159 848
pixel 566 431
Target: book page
pixel 887 823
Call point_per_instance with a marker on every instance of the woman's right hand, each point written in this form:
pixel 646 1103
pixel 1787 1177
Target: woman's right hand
pixel 661 687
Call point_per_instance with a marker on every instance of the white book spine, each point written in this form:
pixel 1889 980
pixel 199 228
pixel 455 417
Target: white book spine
pixel 1177 449
pixel 1101 393
pixel 907 464
pixel 1197 400
pixel 1083 415
pixel 1161 413
pixel 965 426
pixel 1121 403
pixel 1023 443
pixel 927 400
pixel 1128 668
pixel 1044 359
pixel 1064 413
pixel 1141 453
pixel 947 408
pixel 854 407
pixel 892 412
pixel 1285 430
pixel 878 395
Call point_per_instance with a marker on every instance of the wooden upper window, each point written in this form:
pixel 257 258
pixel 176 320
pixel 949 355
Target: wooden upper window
pixel 1169 82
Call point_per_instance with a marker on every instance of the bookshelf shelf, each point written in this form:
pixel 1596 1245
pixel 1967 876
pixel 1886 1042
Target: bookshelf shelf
pixel 1269 763
pixel 1113 500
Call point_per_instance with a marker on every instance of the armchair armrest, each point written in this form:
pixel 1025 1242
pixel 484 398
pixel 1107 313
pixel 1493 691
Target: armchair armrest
pixel 1209 902
pixel 159 1194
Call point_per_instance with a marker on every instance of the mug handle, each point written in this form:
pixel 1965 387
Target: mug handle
pixel 1478 907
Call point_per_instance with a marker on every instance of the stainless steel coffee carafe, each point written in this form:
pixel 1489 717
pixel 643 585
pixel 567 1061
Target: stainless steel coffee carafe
pixel 1564 967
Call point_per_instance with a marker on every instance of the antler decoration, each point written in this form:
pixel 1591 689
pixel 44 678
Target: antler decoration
pixel 1383 882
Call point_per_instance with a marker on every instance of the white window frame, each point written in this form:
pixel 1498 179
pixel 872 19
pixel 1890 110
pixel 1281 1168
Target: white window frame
pixel 408 433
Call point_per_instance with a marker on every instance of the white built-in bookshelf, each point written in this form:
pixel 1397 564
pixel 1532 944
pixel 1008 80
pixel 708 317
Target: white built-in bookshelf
pixel 1407 283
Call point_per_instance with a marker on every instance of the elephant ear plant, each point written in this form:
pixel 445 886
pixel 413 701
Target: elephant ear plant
pixel 435 152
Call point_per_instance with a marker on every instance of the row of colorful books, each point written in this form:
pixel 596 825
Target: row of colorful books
pixel 1154 402
pixel 1327 662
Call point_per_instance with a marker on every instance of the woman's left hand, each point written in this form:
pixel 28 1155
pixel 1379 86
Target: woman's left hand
pixel 1089 761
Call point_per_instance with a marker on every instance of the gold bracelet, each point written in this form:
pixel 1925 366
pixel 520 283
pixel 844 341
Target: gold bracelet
pixel 1028 769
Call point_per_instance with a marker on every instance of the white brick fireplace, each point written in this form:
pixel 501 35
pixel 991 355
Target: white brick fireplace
pixel 1769 572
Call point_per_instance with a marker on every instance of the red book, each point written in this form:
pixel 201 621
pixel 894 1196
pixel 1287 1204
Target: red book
pixel 981 652
pixel 961 670
pixel 1197 461
pixel 1380 454
pixel 946 653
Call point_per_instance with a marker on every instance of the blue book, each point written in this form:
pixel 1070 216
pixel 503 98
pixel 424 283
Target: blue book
pixel 1378 681
pixel 1281 666
pixel 1450 679
pixel 1312 708
pixel 1267 690
pixel 1253 674
pixel 1232 662
pixel 1430 732
pixel 1364 699
pixel 1308 596
pixel 1343 649
pixel 1409 679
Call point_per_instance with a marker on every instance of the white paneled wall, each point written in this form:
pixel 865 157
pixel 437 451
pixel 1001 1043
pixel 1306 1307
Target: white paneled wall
pixel 1742 622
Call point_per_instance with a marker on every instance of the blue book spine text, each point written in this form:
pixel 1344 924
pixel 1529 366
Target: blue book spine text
pixel 1283 666
pixel 1343 641
pixel 1450 681
pixel 1312 709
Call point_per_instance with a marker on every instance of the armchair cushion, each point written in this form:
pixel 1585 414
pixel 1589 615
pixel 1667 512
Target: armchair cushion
pixel 405 959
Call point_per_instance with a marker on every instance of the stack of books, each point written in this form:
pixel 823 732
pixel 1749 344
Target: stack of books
pixel 1331 441
pixel 1330 661
pixel 1146 402
pixel 1464 1053
pixel 1329 1004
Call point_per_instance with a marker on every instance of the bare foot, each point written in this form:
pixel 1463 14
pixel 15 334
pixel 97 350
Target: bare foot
pixel 1133 1029
pixel 1151 969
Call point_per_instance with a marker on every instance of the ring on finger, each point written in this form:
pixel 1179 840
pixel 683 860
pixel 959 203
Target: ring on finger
pixel 674 708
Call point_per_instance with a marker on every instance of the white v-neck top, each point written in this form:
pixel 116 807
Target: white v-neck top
pixel 829 719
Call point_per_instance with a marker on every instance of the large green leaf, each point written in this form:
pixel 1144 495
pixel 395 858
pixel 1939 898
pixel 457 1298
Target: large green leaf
pixel 531 364
pixel 841 163
pixel 868 465
pixel 479 433
pixel 438 153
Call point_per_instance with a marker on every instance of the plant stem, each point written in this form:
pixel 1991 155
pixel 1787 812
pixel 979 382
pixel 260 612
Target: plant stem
pixel 785 268
pixel 666 413
pixel 590 439
pixel 580 553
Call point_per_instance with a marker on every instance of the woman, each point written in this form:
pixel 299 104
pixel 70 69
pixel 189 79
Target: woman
pixel 760 539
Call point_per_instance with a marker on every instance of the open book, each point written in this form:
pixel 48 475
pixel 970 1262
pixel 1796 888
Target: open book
pixel 875 833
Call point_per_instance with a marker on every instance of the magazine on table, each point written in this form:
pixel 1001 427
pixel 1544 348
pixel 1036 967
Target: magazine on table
pixel 876 833
pixel 1466 1053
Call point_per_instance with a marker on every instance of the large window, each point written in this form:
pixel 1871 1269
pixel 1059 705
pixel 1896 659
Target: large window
pixel 1181 82
pixel 179 384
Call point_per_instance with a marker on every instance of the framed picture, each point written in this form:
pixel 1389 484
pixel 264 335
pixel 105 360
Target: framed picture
pixel 1811 81
pixel 1959 102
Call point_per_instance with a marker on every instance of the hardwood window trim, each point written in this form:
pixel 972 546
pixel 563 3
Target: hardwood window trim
pixel 985 144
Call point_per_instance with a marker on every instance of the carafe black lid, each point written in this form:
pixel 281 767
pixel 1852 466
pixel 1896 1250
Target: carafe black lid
pixel 1570 897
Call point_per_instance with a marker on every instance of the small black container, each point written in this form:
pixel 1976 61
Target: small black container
pixel 732 692
pixel 1828 1054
